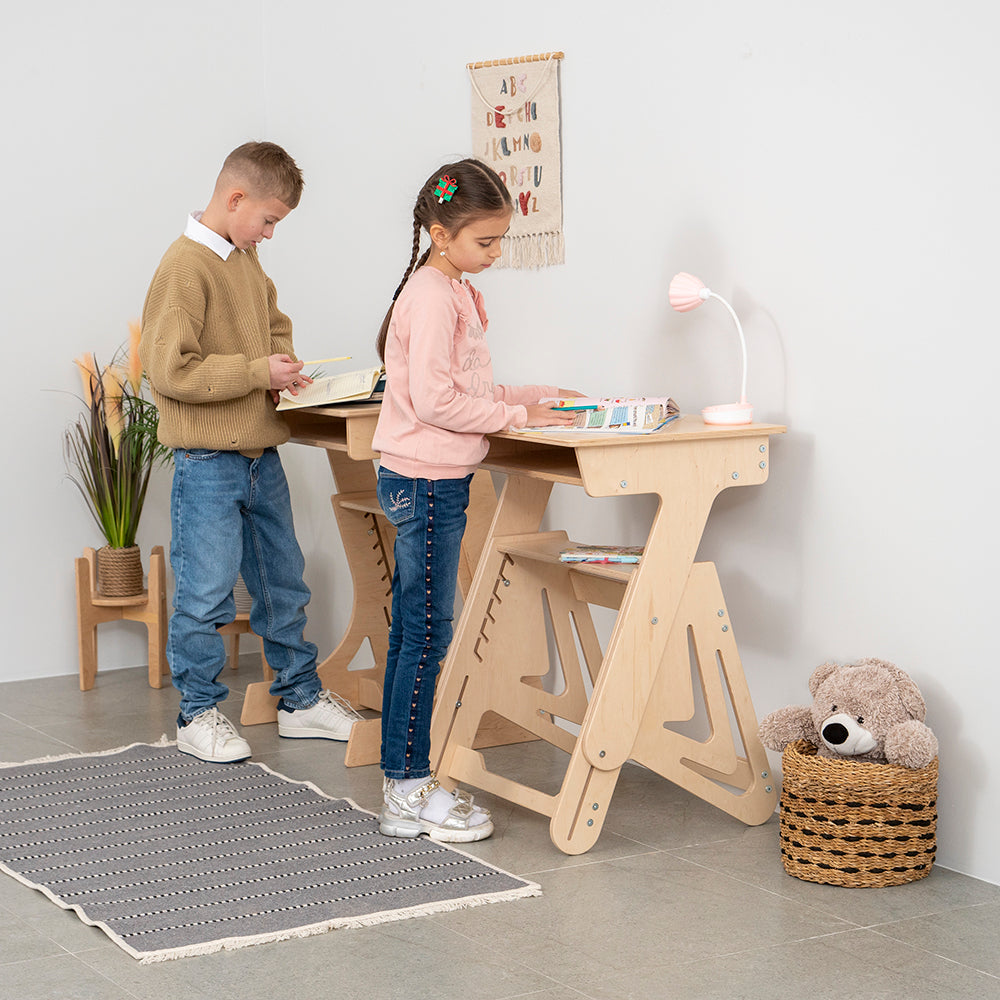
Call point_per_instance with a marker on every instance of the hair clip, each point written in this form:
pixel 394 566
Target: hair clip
pixel 446 187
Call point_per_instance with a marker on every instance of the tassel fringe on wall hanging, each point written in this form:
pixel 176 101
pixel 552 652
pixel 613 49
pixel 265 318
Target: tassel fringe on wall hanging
pixel 515 130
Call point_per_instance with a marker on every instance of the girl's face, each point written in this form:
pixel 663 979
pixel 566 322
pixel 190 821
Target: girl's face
pixel 473 248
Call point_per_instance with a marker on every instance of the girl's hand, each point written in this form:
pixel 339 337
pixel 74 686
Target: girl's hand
pixel 285 374
pixel 544 415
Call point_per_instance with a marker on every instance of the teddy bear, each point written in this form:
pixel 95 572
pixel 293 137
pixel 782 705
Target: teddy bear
pixel 869 710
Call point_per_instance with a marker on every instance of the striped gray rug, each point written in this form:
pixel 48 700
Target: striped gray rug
pixel 171 856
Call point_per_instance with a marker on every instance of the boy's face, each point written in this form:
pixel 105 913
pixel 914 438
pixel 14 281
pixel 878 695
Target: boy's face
pixel 251 219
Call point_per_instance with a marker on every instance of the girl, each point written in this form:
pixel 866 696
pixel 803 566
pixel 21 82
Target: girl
pixel 440 402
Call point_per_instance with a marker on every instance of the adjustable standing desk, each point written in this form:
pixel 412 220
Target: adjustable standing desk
pixel 643 682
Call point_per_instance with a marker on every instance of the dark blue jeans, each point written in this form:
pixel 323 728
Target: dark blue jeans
pixel 429 517
pixel 230 513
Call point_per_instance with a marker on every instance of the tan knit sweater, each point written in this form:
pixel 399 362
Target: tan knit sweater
pixel 208 327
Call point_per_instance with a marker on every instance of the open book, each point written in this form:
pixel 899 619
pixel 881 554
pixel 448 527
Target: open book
pixel 349 387
pixel 614 414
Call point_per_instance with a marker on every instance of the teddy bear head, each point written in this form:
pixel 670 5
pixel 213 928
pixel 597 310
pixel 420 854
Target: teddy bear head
pixel 857 707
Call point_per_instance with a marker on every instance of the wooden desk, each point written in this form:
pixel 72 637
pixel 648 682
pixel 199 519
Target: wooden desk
pixel 345 433
pixel 643 682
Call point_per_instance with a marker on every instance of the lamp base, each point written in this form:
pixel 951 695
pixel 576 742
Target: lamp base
pixel 728 413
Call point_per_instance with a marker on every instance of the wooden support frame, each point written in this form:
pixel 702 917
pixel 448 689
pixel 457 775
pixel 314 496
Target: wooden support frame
pixel 149 607
pixel 643 681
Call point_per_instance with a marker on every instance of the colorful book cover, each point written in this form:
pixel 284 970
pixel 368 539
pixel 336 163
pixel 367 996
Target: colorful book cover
pixel 602 553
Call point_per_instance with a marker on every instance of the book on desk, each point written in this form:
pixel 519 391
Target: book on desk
pixel 613 414
pixel 363 386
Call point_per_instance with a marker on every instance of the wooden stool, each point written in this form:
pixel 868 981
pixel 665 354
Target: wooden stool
pixel 149 607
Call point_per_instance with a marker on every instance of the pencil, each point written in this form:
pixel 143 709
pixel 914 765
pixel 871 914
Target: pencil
pixel 323 361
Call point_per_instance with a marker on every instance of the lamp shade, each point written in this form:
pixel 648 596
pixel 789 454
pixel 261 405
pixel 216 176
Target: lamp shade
pixel 687 292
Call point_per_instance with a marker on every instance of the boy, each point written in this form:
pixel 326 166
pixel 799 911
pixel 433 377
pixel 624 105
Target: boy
pixel 218 351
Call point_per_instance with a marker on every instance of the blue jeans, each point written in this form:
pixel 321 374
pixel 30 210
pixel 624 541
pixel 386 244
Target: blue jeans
pixel 228 514
pixel 429 517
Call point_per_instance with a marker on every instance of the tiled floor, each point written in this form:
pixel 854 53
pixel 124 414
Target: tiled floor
pixel 676 900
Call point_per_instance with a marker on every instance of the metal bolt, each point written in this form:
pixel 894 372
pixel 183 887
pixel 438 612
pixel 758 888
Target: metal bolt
pixel 458 704
pixel 763 465
pixel 763 448
pixel 623 483
pixel 371 531
pixel 654 621
pixel 763 774
pixel 595 807
pixel 736 475
pixel 721 612
pixel 603 753
pixel 767 788
pixel 590 822
pixel 725 628
pixel 506 583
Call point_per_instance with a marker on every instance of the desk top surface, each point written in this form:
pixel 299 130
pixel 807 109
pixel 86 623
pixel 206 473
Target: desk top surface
pixel 687 427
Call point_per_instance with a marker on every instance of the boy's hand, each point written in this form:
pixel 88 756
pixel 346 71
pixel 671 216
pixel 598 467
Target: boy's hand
pixel 545 415
pixel 285 374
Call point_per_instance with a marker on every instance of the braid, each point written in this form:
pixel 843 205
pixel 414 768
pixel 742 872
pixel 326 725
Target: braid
pixel 413 259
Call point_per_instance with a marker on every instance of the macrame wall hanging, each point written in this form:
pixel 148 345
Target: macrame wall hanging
pixel 515 130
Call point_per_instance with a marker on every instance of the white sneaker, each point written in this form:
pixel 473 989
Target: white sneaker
pixel 331 718
pixel 211 736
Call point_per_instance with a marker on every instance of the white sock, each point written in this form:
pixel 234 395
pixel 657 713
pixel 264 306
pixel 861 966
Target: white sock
pixel 438 803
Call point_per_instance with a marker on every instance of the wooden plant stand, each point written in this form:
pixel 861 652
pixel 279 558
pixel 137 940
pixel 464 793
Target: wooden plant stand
pixel 149 607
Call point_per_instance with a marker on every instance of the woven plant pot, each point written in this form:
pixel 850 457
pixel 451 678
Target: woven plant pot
pixel 119 572
pixel 855 823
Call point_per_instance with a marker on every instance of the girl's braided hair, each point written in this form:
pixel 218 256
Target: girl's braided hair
pixel 480 192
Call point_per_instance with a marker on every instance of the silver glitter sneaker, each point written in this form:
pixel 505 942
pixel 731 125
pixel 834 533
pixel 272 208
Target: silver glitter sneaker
pixel 401 815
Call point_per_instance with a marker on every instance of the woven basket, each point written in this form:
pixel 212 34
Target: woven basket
pixel 855 823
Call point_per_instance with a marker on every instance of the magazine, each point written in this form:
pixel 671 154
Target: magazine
pixel 602 553
pixel 613 414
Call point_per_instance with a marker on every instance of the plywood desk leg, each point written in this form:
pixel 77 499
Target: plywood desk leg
pixel 736 779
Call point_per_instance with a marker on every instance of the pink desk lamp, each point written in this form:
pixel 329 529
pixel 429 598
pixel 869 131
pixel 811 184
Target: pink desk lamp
pixel 686 293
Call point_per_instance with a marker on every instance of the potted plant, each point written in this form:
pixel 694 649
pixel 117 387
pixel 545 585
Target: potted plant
pixel 110 451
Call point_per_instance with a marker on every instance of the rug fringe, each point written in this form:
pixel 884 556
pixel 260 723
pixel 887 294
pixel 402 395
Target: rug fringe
pixel 163 741
pixel 344 923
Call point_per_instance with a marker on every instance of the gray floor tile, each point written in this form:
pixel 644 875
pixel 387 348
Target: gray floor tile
pixel 607 918
pixel 59 978
pixel 967 935
pixel 855 965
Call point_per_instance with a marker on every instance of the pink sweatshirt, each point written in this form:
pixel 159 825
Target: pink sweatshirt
pixel 440 399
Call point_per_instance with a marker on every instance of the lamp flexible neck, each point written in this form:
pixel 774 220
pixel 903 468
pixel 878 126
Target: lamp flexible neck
pixel 743 343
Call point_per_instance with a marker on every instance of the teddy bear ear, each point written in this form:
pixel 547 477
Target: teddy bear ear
pixel 819 675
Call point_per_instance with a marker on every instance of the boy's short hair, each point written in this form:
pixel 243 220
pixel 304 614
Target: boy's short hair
pixel 267 170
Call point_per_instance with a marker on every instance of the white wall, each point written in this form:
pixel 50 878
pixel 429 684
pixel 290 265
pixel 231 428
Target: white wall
pixel 830 171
